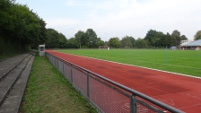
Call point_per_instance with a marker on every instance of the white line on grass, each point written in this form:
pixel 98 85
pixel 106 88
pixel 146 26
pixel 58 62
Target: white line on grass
pixel 180 74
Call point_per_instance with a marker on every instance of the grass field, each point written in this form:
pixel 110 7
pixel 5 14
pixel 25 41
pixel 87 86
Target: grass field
pixel 180 61
pixel 48 91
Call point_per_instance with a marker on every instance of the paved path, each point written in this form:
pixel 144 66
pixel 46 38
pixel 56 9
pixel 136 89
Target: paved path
pixel 14 73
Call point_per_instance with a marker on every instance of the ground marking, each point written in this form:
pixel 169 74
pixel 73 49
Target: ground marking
pixel 180 74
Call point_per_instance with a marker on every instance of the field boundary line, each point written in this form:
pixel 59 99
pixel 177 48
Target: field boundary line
pixel 175 73
pixel 153 63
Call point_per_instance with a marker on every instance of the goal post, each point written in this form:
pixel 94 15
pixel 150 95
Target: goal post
pixel 104 47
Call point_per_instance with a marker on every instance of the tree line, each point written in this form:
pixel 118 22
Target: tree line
pixel 82 39
pixel 153 39
pixel 22 29
pixel 89 39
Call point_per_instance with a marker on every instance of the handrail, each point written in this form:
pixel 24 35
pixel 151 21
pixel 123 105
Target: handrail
pixel 134 92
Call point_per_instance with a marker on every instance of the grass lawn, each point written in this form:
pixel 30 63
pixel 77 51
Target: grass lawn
pixel 49 92
pixel 180 61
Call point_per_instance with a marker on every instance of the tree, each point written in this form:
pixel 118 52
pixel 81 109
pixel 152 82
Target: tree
pixel 100 42
pixel 23 25
pixel 127 42
pixel 72 43
pixel 62 41
pixel 167 41
pixel 114 42
pixel 176 34
pixel 80 38
pixel 20 26
pixel 91 38
pixel 88 39
pixel 29 23
pixel 5 5
pixel 55 39
pixel 141 43
pixel 183 37
pixel 42 35
pixel 197 35
pixel 52 38
pixel 153 37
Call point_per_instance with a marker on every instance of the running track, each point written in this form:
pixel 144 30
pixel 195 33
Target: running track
pixel 178 91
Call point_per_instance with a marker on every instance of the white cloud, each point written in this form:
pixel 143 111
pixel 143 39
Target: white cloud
pixel 70 3
pixel 161 15
pixel 129 17
pixel 59 22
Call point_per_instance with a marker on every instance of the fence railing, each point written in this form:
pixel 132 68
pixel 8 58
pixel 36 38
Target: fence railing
pixel 106 95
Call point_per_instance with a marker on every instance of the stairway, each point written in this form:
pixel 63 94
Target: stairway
pixel 14 74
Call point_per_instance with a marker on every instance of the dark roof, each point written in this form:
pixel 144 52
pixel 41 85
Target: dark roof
pixel 193 43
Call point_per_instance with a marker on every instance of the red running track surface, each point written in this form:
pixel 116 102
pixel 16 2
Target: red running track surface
pixel 181 92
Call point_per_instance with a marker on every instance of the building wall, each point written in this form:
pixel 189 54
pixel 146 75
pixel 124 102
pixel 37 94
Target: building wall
pixel 190 48
pixel 199 48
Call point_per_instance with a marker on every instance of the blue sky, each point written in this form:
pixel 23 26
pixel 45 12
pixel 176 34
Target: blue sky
pixel 118 18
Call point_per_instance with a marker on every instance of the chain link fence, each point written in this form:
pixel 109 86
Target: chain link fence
pixel 106 95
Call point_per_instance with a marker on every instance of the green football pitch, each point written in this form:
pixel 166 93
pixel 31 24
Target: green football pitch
pixel 179 61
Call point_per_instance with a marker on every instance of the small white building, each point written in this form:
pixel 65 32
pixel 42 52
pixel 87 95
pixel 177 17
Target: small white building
pixel 41 50
pixel 191 45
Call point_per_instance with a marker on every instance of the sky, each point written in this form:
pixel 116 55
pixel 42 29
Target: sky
pixel 119 18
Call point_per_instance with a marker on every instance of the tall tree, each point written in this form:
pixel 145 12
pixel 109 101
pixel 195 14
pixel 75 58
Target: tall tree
pixel 167 41
pixel 42 35
pixel 5 18
pixel 100 42
pixel 28 22
pixel 5 5
pixel 153 37
pixel 177 35
pixel 183 37
pixel 91 38
pixel 127 42
pixel 62 41
pixel 114 42
pixel 141 43
pixel 197 35
pixel 72 43
pixel 80 38
pixel 55 39
pixel 20 26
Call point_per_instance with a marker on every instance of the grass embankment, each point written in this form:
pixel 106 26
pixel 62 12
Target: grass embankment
pixel 186 62
pixel 49 92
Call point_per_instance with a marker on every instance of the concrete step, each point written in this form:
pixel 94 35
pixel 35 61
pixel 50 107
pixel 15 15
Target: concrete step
pixel 7 83
pixel 14 73
pixel 8 65
pixel 12 103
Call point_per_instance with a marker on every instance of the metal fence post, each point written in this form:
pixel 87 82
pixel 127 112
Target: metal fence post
pixel 71 74
pixel 88 86
pixel 63 67
pixel 57 65
pixel 133 104
pixel 54 61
